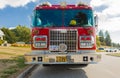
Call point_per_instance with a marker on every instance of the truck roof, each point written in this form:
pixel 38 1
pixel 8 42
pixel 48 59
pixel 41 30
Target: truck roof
pixel 62 7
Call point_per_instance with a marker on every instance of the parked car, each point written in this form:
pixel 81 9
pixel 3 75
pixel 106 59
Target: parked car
pixel 101 49
pixel 116 50
pixel 111 50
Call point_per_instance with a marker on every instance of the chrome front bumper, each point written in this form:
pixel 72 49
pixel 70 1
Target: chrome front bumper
pixel 37 58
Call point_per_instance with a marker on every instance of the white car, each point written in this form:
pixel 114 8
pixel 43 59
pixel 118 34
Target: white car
pixel 111 50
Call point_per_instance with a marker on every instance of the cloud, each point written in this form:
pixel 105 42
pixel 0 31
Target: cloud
pixel 14 3
pixel 115 36
pixel 109 17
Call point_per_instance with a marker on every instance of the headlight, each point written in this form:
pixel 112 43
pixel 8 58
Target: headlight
pixel 86 41
pixel 40 41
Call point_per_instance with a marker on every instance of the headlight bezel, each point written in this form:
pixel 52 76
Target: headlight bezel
pixel 39 43
pixel 86 43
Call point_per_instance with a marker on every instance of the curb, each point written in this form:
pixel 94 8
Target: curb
pixel 27 71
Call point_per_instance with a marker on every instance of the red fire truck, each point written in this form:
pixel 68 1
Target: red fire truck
pixel 63 34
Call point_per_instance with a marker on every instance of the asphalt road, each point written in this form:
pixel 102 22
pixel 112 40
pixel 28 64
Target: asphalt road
pixel 109 67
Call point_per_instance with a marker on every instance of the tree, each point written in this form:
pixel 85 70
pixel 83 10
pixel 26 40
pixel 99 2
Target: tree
pixel 22 33
pixel 117 45
pixel 1 41
pixel 101 37
pixel 107 39
pixel 97 41
pixel 9 35
pixel 113 44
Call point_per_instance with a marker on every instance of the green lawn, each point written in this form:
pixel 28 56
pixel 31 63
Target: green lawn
pixel 114 54
pixel 12 61
pixel 16 66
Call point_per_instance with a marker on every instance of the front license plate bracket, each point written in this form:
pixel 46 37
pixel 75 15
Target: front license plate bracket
pixel 61 59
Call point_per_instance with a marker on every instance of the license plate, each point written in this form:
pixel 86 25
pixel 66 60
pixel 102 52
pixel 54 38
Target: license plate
pixel 61 59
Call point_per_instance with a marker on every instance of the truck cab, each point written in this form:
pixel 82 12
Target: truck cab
pixel 63 34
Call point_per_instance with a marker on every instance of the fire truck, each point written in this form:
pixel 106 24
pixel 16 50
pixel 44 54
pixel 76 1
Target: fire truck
pixel 63 34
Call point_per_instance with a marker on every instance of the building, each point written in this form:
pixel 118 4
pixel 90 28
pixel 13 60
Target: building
pixel 1 35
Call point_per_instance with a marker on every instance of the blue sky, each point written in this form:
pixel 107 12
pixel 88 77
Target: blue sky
pixel 15 12
pixel 11 17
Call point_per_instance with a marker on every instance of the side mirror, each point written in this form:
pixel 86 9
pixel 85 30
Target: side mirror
pixel 96 20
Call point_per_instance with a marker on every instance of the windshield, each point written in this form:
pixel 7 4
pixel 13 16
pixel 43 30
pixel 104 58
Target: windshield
pixel 58 18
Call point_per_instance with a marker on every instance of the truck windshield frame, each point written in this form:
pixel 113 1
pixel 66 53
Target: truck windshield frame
pixel 60 18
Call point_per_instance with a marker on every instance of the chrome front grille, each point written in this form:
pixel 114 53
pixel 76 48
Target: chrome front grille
pixel 63 36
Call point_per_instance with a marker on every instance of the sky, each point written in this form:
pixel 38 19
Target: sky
pixel 15 12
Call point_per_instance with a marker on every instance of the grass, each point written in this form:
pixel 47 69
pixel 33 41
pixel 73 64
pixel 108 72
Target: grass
pixel 6 53
pixel 14 68
pixel 114 54
pixel 20 61
pixel 12 61
pixel 10 71
pixel 7 61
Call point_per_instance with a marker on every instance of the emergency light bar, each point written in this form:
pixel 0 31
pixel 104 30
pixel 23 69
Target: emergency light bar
pixel 81 4
pixel 63 4
pixel 45 4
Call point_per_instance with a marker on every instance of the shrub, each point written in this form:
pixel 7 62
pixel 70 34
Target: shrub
pixel 1 42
